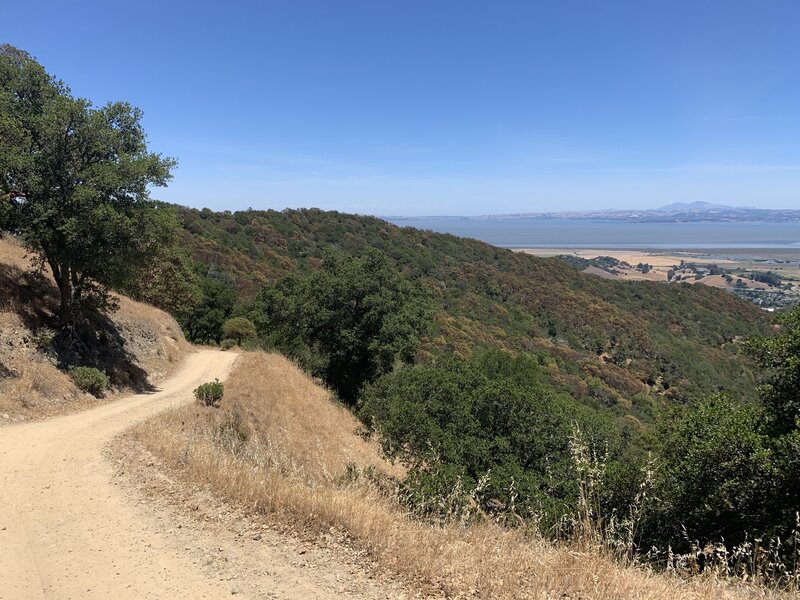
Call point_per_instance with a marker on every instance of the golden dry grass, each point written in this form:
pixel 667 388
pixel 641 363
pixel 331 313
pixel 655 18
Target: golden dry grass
pixel 278 445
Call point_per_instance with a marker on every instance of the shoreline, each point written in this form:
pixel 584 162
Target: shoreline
pixel 731 254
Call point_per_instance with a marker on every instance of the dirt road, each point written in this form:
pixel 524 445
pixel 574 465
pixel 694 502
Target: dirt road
pixel 73 525
pixel 66 531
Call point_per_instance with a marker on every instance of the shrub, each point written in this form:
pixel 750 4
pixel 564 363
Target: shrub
pixel 238 328
pixel 209 393
pixel 228 344
pixel 90 380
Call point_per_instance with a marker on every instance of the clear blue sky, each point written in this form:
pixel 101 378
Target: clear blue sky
pixel 444 107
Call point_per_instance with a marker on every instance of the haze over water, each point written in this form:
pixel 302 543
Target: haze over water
pixel 550 233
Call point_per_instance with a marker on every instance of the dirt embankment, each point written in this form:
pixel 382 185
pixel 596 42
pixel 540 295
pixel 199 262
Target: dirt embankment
pixel 137 345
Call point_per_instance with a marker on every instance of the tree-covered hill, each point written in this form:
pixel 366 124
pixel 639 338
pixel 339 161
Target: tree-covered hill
pixel 617 344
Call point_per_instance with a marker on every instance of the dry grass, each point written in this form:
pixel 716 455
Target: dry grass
pixel 13 254
pixel 278 445
pixel 24 381
pixel 30 384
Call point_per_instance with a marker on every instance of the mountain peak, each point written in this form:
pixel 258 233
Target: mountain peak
pixel 694 206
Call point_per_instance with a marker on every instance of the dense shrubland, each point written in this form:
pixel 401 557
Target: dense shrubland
pixel 610 340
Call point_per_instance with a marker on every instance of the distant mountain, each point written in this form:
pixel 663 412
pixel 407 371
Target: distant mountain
pixel 679 212
pixel 696 206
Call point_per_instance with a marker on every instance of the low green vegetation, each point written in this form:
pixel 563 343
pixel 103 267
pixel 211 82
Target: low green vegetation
pixel 491 428
pixel 210 393
pixel 90 380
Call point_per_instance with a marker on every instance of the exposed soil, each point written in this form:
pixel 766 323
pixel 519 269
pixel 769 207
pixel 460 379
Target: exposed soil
pixel 76 525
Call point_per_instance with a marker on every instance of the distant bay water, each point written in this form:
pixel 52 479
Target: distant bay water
pixel 565 233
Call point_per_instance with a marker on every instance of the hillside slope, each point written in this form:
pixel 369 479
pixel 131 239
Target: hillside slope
pixel 137 345
pixel 612 344
pixel 279 449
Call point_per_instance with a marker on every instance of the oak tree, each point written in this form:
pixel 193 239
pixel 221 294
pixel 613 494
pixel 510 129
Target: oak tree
pixel 74 182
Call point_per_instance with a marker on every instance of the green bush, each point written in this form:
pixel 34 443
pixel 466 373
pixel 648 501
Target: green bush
pixel 228 344
pixel 209 393
pixel 455 421
pixel 90 380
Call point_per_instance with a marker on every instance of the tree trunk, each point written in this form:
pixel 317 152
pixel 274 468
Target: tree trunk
pixel 62 277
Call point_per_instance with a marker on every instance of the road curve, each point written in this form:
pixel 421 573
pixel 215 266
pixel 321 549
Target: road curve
pixel 65 530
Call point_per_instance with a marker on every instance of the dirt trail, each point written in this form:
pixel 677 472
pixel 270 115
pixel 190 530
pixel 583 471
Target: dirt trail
pixel 65 530
pixel 71 527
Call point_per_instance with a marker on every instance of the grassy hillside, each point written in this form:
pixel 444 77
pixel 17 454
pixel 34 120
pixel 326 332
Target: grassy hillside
pixel 278 446
pixel 613 344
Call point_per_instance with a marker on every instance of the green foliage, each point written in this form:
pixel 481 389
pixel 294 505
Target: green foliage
pixel 719 472
pixel 670 342
pixel 209 393
pixel 75 182
pixel 491 422
pixel 731 468
pixel 168 279
pixel 769 278
pixel 227 344
pixel 238 328
pixel 608 355
pixel 779 355
pixel 90 379
pixel 204 322
pixel 348 322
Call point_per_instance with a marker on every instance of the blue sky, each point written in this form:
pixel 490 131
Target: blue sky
pixel 444 107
